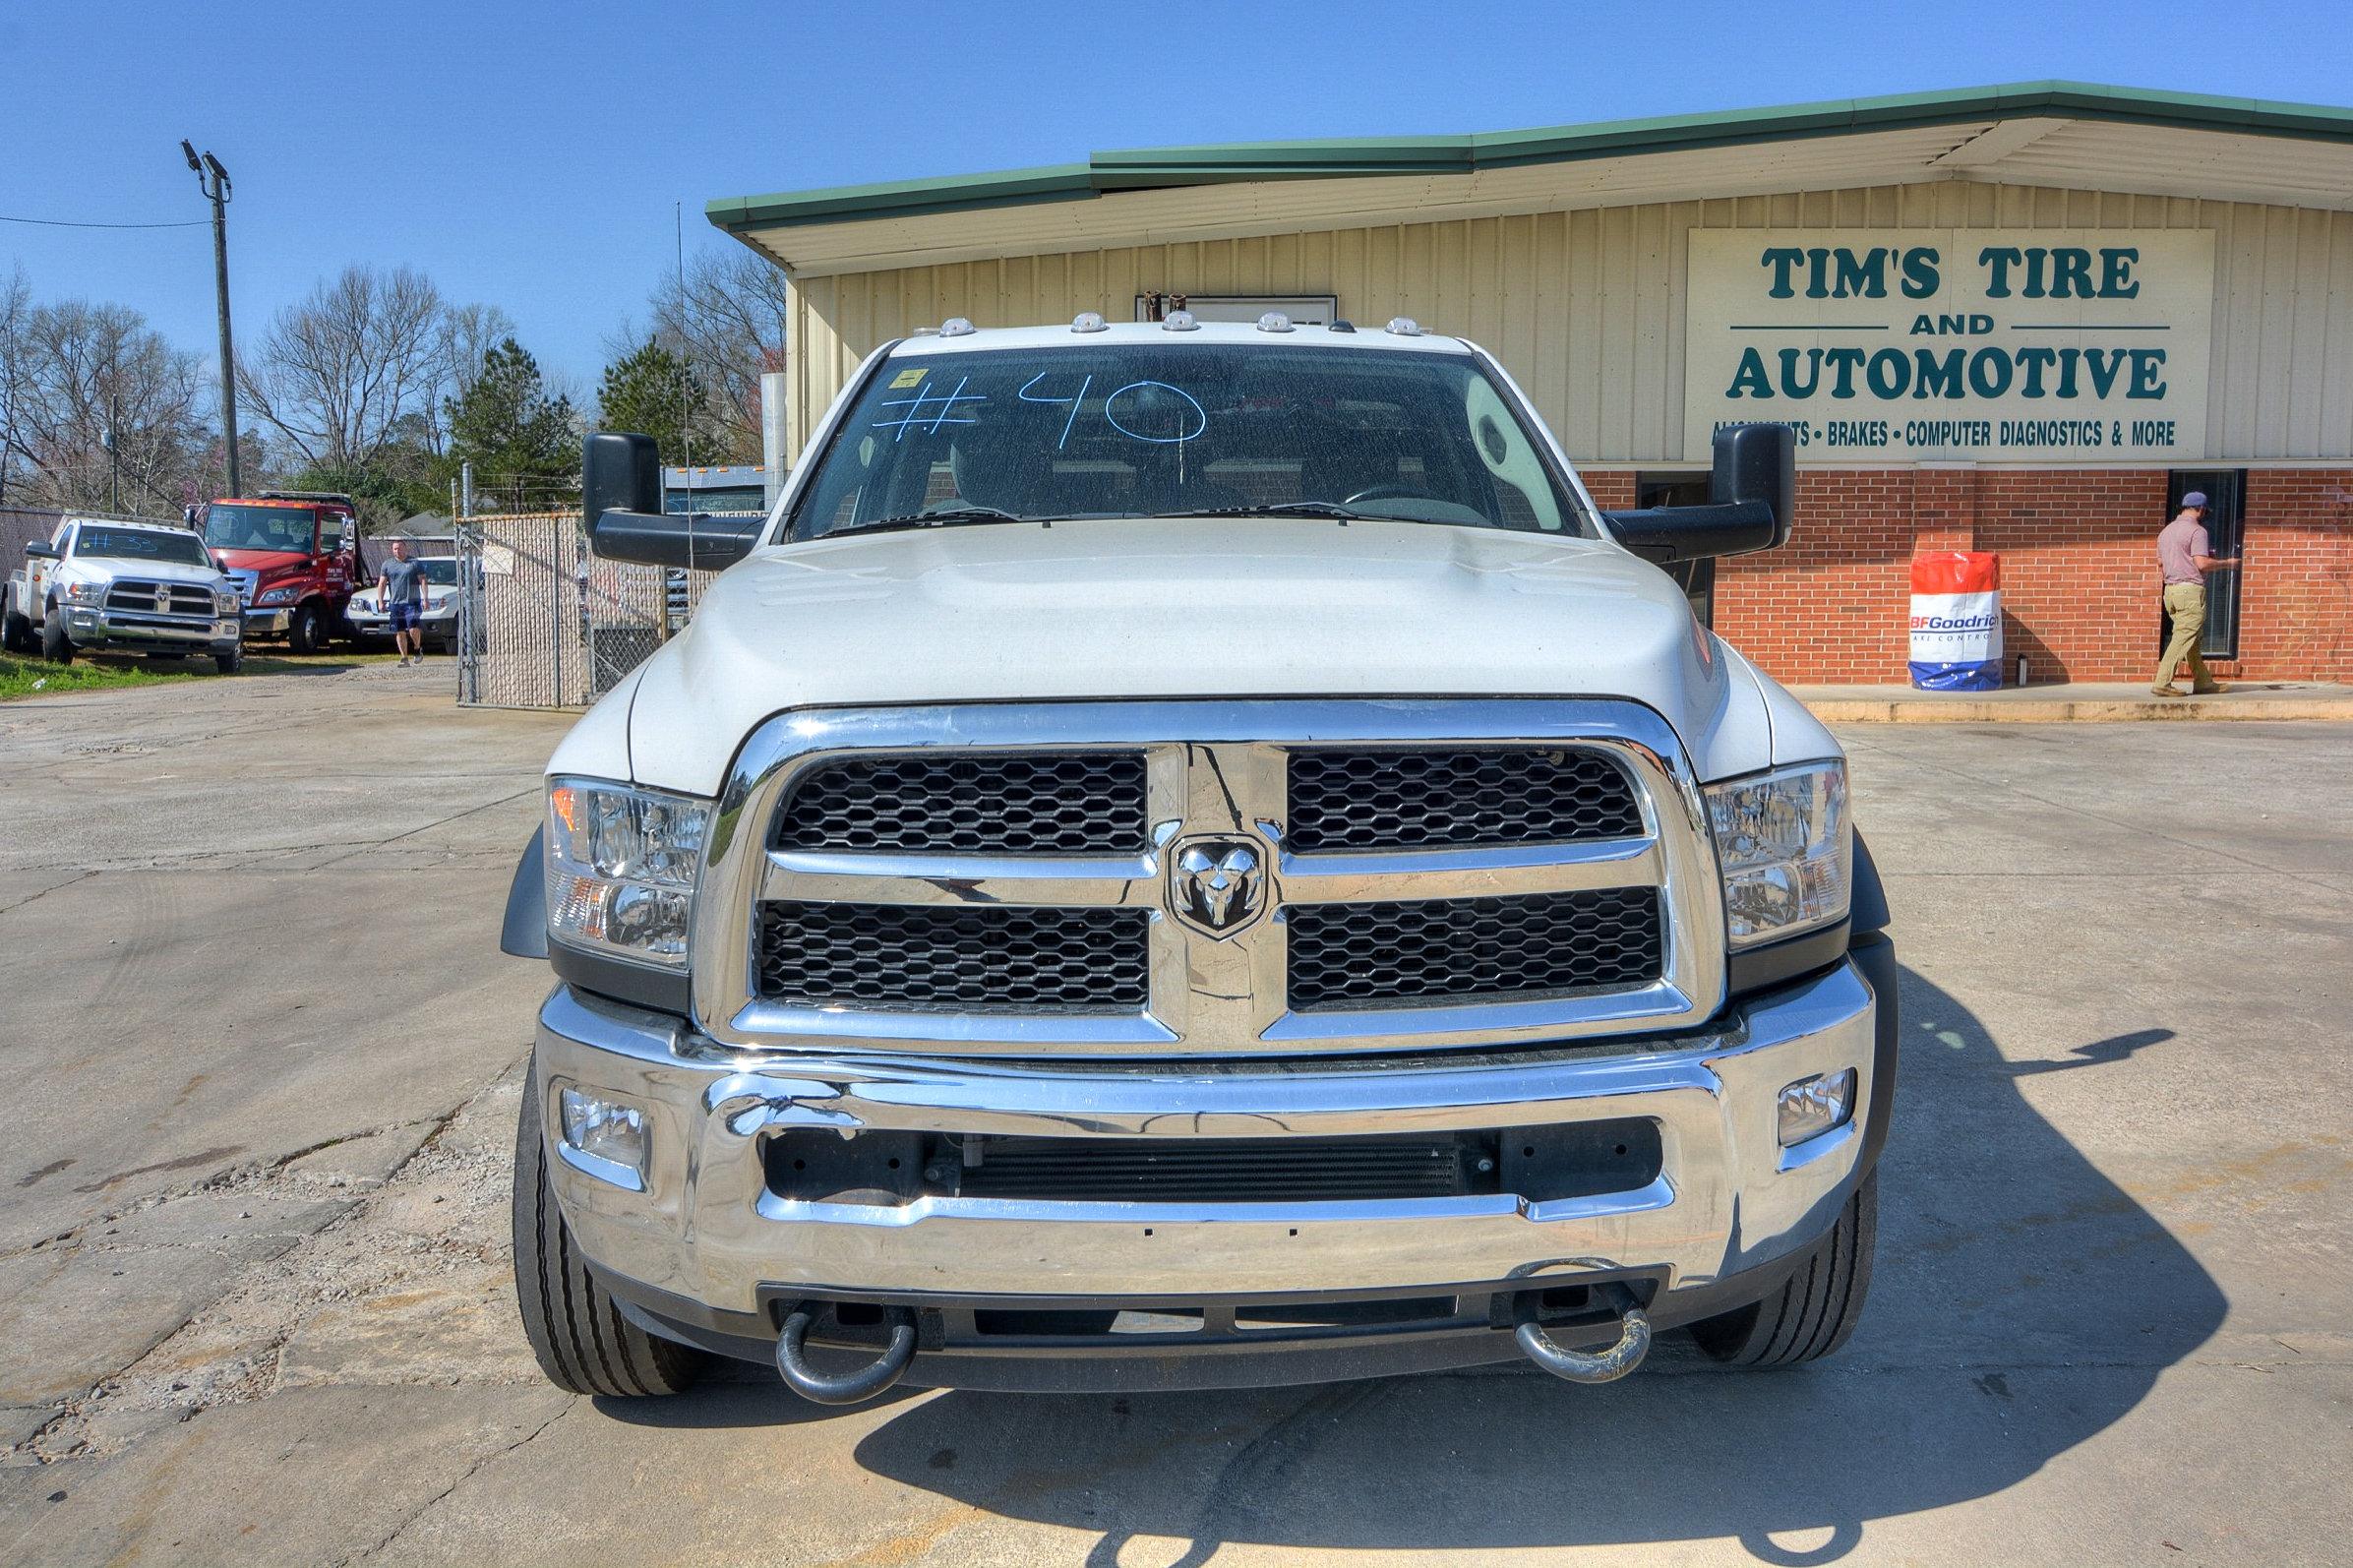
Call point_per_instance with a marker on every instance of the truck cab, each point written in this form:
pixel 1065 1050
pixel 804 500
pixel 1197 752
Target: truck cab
pixel 295 557
pixel 1185 855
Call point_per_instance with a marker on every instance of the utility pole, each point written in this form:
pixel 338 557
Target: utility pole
pixel 213 181
pixel 114 455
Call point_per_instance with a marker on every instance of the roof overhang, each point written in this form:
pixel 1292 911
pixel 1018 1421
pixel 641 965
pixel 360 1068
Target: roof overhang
pixel 2061 134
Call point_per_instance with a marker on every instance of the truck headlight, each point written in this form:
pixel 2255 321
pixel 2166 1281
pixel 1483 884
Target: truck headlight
pixel 620 868
pixel 278 595
pixel 1786 850
pixel 224 601
pixel 84 592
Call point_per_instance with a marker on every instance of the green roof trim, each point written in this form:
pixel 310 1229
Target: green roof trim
pixel 1148 169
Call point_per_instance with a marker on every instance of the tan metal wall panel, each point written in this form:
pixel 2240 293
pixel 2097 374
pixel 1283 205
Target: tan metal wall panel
pixel 1585 306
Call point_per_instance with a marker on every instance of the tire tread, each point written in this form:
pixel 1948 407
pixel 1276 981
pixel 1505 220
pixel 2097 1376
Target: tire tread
pixel 576 1329
pixel 1814 1310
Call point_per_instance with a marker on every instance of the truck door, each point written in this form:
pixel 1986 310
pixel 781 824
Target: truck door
pixel 38 571
pixel 335 546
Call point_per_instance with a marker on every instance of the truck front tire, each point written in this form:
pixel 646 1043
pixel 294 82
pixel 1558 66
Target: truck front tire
pixel 307 632
pixel 1816 1309
pixel 56 646
pixel 232 662
pixel 583 1344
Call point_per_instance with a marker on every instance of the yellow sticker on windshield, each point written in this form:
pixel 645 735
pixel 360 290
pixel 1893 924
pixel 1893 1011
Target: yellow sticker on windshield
pixel 910 378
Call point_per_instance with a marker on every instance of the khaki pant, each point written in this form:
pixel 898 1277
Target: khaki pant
pixel 2186 602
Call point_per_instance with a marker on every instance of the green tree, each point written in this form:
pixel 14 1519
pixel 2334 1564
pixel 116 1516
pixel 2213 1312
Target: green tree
pixel 522 443
pixel 656 393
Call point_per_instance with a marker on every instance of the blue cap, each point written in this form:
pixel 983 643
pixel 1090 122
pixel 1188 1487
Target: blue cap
pixel 2195 497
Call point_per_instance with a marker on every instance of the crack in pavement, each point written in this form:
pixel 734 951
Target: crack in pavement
pixel 46 891
pixel 570 1404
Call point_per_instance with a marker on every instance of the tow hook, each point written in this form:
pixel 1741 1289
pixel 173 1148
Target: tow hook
pixel 848 1388
pixel 1580 1366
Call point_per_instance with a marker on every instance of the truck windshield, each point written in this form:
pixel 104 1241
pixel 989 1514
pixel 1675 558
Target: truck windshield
pixel 141 544
pixel 1204 428
pixel 231 526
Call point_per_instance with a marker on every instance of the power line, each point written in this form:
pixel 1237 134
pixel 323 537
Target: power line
pixel 60 223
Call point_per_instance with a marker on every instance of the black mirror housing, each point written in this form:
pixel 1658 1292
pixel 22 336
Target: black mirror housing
pixel 1752 502
pixel 620 472
pixel 621 495
pixel 41 549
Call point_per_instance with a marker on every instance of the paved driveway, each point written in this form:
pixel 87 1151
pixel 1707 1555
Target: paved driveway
pixel 262 1055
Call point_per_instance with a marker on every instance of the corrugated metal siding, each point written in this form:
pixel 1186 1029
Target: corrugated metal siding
pixel 1585 306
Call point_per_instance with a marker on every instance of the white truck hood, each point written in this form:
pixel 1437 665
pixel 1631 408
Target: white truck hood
pixel 1178 608
pixel 137 570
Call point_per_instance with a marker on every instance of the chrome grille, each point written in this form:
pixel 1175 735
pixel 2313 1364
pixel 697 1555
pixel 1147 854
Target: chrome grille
pixel 1394 799
pixel 877 897
pixel 1466 950
pixel 982 958
pixel 1035 803
pixel 160 598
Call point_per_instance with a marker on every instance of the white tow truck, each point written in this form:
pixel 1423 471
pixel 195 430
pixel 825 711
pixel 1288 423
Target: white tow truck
pixel 1183 855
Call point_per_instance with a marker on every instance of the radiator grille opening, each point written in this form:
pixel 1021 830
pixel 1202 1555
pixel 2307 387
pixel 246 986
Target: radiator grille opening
pixel 1365 799
pixel 1029 804
pixel 1431 951
pixel 1541 1164
pixel 979 958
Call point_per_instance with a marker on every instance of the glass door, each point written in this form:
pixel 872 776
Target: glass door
pixel 2225 492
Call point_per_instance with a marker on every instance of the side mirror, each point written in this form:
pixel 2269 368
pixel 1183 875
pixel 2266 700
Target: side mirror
pixel 621 495
pixel 1752 502
pixel 41 549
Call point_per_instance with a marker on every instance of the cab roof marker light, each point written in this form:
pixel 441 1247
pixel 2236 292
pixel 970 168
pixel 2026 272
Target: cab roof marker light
pixel 1340 323
pixel 1274 321
pixel 1404 327
pixel 1088 321
pixel 1179 320
pixel 957 327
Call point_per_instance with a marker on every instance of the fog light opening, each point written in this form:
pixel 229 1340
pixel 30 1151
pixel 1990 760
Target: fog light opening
pixel 605 1126
pixel 1812 1107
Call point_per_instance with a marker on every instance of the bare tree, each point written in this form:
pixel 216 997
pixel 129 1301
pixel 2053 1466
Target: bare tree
pixel 16 313
pixel 726 318
pixel 102 412
pixel 335 375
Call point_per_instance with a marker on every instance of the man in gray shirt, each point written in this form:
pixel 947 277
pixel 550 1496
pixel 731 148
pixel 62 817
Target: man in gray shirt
pixel 403 583
pixel 2184 559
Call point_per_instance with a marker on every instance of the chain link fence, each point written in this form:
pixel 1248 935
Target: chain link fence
pixel 544 621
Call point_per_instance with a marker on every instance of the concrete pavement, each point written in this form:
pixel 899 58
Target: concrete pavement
pixel 253 1299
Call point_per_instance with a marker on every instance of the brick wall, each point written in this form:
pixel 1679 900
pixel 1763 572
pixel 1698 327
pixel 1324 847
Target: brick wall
pixel 2078 579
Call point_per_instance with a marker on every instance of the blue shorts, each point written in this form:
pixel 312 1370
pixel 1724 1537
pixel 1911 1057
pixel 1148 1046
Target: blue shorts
pixel 404 616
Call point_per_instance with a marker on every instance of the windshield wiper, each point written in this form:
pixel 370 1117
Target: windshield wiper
pixel 1287 509
pixel 945 518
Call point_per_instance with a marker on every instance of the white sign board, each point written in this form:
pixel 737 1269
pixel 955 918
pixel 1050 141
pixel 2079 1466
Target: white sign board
pixel 1998 345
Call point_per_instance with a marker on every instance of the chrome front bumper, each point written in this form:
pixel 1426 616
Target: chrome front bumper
pixel 98 625
pixel 269 622
pixel 704 1227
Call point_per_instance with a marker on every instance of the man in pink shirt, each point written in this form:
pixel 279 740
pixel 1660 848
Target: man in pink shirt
pixel 2183 558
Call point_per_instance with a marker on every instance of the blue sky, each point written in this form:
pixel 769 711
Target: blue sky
pixel 530 154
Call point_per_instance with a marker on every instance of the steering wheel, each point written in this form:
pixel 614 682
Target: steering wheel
pixel 1390 491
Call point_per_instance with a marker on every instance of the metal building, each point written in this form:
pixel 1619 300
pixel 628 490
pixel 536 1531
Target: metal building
pixel 2020 319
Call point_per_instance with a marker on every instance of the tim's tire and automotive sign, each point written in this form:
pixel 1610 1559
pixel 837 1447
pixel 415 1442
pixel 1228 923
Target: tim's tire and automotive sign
pixel 2021 320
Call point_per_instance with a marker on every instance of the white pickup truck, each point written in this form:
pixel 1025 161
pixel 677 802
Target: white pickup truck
pixel 1192 856
pixel 104 585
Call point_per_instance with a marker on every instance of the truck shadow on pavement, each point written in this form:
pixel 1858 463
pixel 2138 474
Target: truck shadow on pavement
pixel 2023 1304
